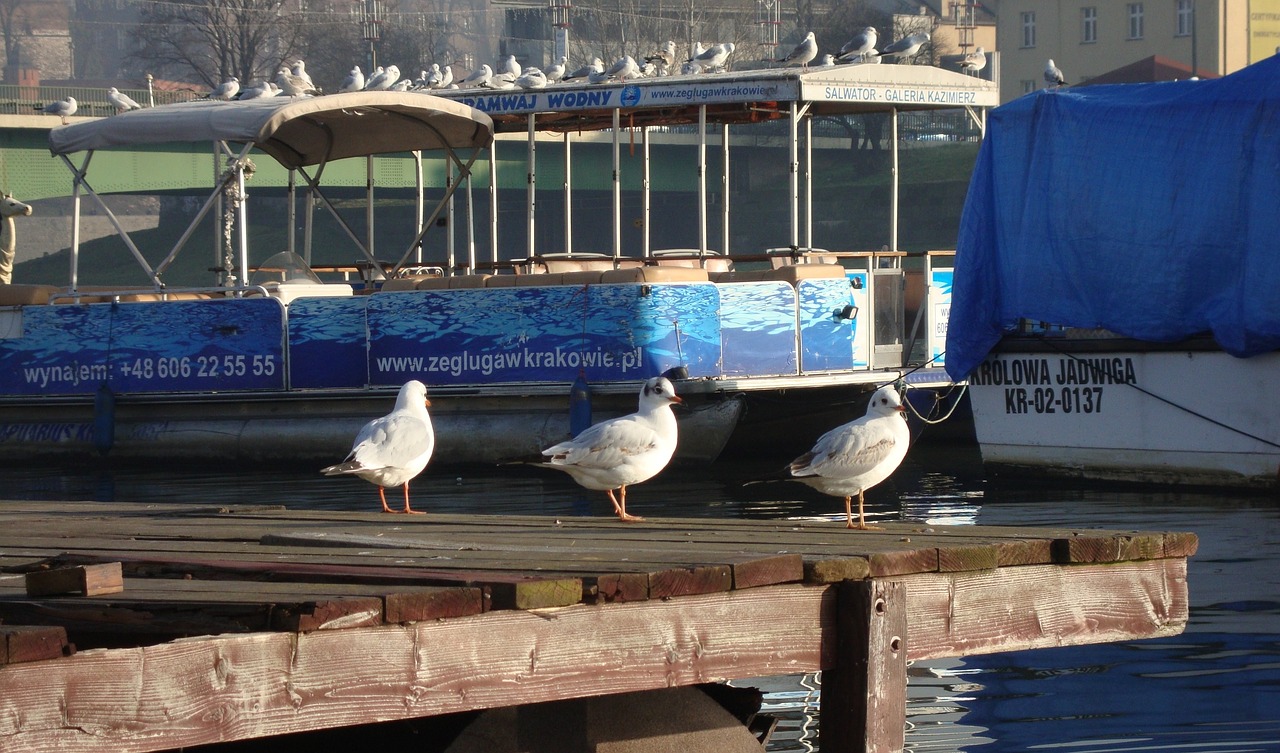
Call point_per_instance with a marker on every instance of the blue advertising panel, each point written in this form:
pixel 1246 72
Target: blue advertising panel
pixel 609 332
pixel 826 339
pixel 758 328
pixel 328 343
pixel 939 313
pixel 174 346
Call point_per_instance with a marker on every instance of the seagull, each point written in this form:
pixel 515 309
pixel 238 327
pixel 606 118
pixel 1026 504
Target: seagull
pixel 854 457
pixel 828 60
pixel 478 77
pixel 803 53
pixel 623 68
pixel 431 79
pixel 508 64
pixel 907 46
pixel 498 81
pixel 300 72
pixel 974 62
pixel 555 71
pixel 122 102
pixel 63 108
pixel 713 58
pixel 226 90
pixel 859 45
pixel 532 78
pixel 383 78
pixel 446 78
pixel 394 449
pixel 354 81
pixel 1053 76
pixel 265 89
pixel 663 59
pixel 595 67
pixel 622 451
pixel 294 85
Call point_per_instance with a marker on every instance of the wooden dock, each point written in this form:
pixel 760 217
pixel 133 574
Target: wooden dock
pixel 239 623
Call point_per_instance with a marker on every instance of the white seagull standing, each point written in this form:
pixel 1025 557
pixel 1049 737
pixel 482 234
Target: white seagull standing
pixel 394 449
pixel 531 78
pixel 595 67
pixel 1053 76
pixel 294 85
pixel 226 90
pixel 616 453
pixel 300 72
pixel 354 81
pixel 714 57
pixel 63 108
pixel 122 102
pixel 265 89
pixel 663 59
pixel 383 78
pixel 555 71
pixel 478 77
pixel 861 43
pixel 907 46
pixel 803 53
pixel 854 457
pixel 623 69
pixel 974 62
pixel 509 64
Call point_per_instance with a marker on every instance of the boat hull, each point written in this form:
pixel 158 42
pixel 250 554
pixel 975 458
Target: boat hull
pixel 1123 410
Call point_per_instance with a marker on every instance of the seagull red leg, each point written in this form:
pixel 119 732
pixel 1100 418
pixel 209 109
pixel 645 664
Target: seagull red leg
pixel 617 509
pixel 407 509
pixel 862 518
pixel 382 495
pixel 622 508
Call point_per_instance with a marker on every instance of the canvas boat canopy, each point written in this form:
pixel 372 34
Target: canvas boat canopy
pixel 1148 210
pixel 298 132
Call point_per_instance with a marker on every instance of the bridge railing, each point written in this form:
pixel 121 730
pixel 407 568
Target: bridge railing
pixel 91 101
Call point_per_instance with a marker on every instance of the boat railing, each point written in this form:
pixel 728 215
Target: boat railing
pixel 120 294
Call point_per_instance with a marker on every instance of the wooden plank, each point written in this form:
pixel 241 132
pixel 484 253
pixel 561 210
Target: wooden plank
pixel 864 696
pixel 835 569
pixel 85 580
pixel 24 643
pixel 328 614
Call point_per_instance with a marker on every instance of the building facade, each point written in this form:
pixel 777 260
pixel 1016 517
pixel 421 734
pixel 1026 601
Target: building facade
pixel 1086 38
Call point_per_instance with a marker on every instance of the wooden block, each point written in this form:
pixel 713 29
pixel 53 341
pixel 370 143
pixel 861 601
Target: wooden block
pixel 768 571
pixel 535 593
pixel 956 559
pixel 689 581
pixel 622 587
pixel 23 643
pixel 331 614
pixel 836 569
pixel 864 696
pixel 84 580
pixel 1180 544
pixel 433 604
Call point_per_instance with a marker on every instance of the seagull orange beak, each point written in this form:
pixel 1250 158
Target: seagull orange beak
pixel 676 399
pixel 901 409
pixel 426 402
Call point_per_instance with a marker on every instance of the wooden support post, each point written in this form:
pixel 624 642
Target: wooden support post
pixel 864 697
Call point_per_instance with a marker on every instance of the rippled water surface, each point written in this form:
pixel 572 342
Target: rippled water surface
pixel 1214 688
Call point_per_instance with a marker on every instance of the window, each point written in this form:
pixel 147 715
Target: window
pixel 1089 25
pixel 1029 29
pixel 1186 17
pixel 1135 20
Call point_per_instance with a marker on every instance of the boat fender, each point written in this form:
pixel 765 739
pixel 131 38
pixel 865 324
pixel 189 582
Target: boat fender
pixel 848 313
pixel 104 419
pixel 579 405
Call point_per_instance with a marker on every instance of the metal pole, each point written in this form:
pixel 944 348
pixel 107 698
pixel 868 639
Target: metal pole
pixel 617 188
pixel 568 205
pixel 793 169
pixel 808 183
pixel 368 205
pixel 449 244
pixel 419 203
pixel 292 213
pixel 893 198
pixel 533 181
pixel 645 241
pixel 702 179
pixel 493 201
pixel 724 187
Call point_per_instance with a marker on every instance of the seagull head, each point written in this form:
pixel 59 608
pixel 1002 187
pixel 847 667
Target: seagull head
pixel 658 391
pixel 885 402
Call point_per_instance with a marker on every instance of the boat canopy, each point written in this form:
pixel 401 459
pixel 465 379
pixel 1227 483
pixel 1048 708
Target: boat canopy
pixel 298 132
pixel 1149 210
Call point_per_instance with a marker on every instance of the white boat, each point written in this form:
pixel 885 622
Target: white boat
pixel 270 364
pixel 1115 303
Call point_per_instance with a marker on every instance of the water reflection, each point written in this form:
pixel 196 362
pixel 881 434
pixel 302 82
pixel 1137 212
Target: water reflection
pixel 1216 687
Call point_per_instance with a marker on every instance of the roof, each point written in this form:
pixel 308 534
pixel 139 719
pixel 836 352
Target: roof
pixel 1149 70
pixel 297 132
pixel 733 97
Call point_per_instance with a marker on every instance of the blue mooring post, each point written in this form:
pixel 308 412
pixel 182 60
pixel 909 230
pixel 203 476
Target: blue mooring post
pixel 579 405
pixel 104 419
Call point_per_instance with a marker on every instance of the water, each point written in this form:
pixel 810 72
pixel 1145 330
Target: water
pixel 1214 688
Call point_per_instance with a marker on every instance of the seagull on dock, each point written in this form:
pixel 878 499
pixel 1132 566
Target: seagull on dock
pixel 974 62
pixel 1052 75
pixel 854 457
pixel 907 46
pixel 63 108
pixel 122 102
pixel 803 54
pixel 861 43
pixel 394 449
pixel 616 453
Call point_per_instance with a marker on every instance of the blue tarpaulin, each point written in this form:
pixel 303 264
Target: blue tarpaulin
pixel 1151 210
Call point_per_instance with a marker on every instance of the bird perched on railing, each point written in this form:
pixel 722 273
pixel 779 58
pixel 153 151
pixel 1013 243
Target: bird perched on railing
pixel 394 449
pixel 906 47
pixel 861 43
pixel 619 452
pixel 803 53
pixel 354 81
pixel 1052 75
pixel 63 108
pixel 479 77
pixel 122 102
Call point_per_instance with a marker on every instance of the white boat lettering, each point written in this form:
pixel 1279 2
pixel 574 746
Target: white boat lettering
pixel 1096 371
pixel 504 103
pixel 578 99
pixel 1045 400
pixel 72 374
pixel 487 364
pixel 851 93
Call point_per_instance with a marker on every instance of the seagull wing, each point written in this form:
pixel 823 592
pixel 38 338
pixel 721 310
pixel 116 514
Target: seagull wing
pixel 849 450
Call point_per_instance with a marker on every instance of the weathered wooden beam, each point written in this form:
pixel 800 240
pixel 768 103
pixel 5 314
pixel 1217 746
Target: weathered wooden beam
pixel 864 696
pixel 84 580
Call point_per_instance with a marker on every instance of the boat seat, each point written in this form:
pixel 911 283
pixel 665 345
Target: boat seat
pixel 691 257
pixel 154 296
pixel 22 295
pixel 405 283
pixel 502 281
pixel 585 277
pixel 455 282
pixel 655 274
pixel 584 262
